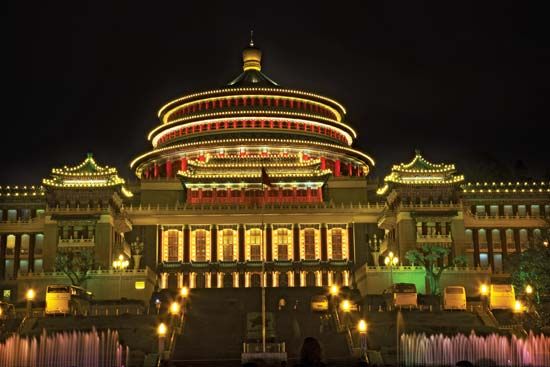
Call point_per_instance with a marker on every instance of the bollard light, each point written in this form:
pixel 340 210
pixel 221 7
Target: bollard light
pixel 30 294
pixel 175 308
pixel 529 289
pixel 362 326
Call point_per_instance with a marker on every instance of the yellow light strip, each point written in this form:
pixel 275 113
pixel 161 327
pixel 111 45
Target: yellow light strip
pixel 167 131
pixel 238 141
pixel 249 114
pixel 206 93
pixel 167 115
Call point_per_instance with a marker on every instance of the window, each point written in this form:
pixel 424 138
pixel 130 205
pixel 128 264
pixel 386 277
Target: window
pixel 25 241
pixel 309 242
pixel 173 245
pixel 10 245
pixel 336 244
pixel 227 245
pixel 282 244
pixel 255 245
pixel 200 245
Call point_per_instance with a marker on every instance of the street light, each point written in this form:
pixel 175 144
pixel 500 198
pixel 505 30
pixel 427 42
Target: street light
pixel 30 297
pixel 362 328
pixel 528 289
pixel 484 290
pixel 334 290
pixel 161 331
pixel 518 306
pixel 175 308
pixel 120 264
pixel 391 260
pixel 184 292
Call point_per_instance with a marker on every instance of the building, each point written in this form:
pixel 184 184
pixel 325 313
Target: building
pixel 253 179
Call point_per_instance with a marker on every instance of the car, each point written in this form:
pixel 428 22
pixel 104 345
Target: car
pixel 454 298
pixel 401 295
pixel 319 303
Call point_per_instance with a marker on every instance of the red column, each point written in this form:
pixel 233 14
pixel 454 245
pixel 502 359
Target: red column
pixel 294 194
pixel 320 194
pixel 308 194
pixel 168 168
pixel 350 169
pixel 183 163
pixel 323 163
pixel 156 170
pixel 337 168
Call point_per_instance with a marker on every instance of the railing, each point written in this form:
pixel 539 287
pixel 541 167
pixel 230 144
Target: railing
pixel 370 268
pixel 434 237
pixel 450 205
pixel 493 217
pixel 99 272
pixel 71 242
pixel 37 219
pixel 178 207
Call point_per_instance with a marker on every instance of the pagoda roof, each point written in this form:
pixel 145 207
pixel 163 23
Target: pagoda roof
pixel 252 78
pixel 235 160
pixel 254 176
pixel 421 172
pixel 87 174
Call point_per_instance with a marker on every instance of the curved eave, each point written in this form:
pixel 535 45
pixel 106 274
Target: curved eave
pixel 321 176
pixel 228 91
pixel 366 159
pixel 248 114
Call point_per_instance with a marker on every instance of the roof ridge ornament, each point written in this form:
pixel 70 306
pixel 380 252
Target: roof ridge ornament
pixel 251 38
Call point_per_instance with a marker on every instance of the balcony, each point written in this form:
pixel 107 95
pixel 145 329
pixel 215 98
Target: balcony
pixel 76 242
pixel 434 238
pixel 485 220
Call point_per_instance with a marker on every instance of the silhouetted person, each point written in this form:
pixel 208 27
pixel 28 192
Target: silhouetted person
pixel 464 364
pixel 310 355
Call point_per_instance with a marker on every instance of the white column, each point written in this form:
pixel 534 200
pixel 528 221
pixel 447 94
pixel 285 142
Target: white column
pixel 346 278
pixel 318 278
pixel 290 275
pixel 275 277
pixel 180 280
pixel 164 280
pixel 219 283
pixel 208 279
pixel 247 279
pixel 330 278
pixel 236 279
pixel 302 278
pixel 192 280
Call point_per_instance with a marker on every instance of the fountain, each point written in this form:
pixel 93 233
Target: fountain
pixel 491 350
pixel 64 349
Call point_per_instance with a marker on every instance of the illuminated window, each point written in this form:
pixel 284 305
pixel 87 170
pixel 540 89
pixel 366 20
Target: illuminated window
pixel 25 240
pixel 172 245
pixel 255 245
pixel 337 244
pixel 140 284
pixel 200 245
pixel 282 244
pixel 227 245
pixel 10 245
pixel 309 242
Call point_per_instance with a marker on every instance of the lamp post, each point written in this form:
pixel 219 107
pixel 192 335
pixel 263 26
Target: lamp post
pixel 391 260
pixel 121 264
pixel 30 297
pixel 345 306
pixel 161 331
pixel 484 291
pixel 362 328
pixel 529 295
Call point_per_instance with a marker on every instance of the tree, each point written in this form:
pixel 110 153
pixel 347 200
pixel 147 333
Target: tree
pixel 76 265
pixel 429 256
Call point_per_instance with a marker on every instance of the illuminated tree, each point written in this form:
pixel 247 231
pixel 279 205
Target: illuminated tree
pixel 431 258
pixel 76 265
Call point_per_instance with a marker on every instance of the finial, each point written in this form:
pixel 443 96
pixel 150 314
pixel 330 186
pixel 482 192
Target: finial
pixel 252 56
pixel 417 151
pixel 251 38
pixel 90 155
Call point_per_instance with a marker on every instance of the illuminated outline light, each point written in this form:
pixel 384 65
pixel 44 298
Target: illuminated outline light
pixel 365 156
pixel 167 115
pixel 195 123
pixel 249 113
pixel 302 93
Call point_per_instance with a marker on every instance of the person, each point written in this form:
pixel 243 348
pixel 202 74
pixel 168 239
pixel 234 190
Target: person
pixel 310 354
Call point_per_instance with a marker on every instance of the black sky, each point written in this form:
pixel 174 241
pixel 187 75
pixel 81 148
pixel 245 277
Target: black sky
pixel 464 82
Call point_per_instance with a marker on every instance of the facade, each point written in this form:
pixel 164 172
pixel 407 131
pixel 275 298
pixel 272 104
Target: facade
pixel 253 179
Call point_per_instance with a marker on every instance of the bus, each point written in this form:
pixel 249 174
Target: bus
pixel 401 295
pixel 67 299
pixel 502 296
pixel 454 298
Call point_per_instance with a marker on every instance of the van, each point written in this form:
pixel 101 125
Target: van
pixel 502 296
pixel 401 295
pixel 319 303
pixel 454 298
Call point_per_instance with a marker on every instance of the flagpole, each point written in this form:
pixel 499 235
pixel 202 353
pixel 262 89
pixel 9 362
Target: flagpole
pixel 263 268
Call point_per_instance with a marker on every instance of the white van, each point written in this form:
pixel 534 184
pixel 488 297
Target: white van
pixel 454 298
pixel 502 296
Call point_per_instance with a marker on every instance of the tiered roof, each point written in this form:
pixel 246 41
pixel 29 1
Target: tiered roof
pixel 87 174
pixel 420 171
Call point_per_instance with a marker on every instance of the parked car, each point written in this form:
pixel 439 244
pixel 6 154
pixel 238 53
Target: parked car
pixel 319 303
pixel 454 298
pixel 401 295
pixel 502 296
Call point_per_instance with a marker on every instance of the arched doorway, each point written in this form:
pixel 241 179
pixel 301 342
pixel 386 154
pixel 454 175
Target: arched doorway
pixel 200 281
pixel 228 280
pixel 283 280
pixel 310 279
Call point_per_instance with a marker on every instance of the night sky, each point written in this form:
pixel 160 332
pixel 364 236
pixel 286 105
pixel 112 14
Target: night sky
pixel 465 83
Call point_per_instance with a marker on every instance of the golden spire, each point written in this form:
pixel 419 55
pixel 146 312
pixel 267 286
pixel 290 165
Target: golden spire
pixel 252 56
